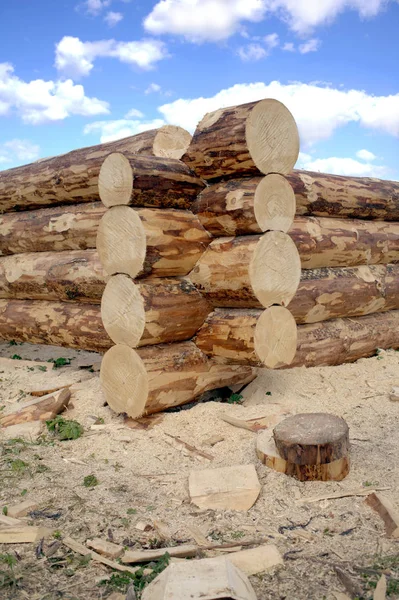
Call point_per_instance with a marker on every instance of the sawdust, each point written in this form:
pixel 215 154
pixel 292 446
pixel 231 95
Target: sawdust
pixel 143 475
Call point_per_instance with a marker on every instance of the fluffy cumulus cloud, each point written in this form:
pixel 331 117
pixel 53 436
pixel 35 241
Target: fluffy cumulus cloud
pixel 215 20
pixel 74 58
pixel 153 88
pixel 120 128
pixel 95 7
pixel 318 110
pixel 311 45
pixel 38 101
pixel 252 52
pixel 365 155
pixel 17 151
pixel 113 18
pixel 341 166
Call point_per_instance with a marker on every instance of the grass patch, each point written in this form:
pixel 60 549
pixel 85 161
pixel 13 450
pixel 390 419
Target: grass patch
pixel 64 429
pixel 90 481
pixel 119 582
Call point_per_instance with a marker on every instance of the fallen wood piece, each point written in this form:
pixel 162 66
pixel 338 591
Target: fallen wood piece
pixel 162 528
pixel 381 589
pixel 24 534
pixel 350 584
pixel 13 362
pixel 197 535
pixel 387 512
pixel 207 579
pixel 105 548
pixel 394 395
pixel 45 392
pixel 338 495
pixel 9 521
pixel 257 560
pixel 254 425
pixel 40 409
pixel 190 447
pixel 21 509
pixel 227 488
pixel 81 549
pixel 142 556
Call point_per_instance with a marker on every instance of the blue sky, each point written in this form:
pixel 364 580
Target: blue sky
pixel 74 73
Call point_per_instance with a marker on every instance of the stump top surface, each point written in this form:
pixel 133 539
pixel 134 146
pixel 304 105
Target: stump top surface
pixel 310 429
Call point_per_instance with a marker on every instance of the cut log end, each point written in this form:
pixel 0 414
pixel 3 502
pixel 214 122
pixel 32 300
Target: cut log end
pixel 274 204
pixel 276 337
pixel 124 380
pixel 121 241
pixel 275 269
pixel 171 141
pixel 272 137
pixel 122 311
pixel 115 181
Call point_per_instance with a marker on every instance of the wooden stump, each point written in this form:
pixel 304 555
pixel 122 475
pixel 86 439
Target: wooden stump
pixel 154 312
pixel 247 205
pixel 161 243
pixel 244 140
pixel 158 377
pixel 147 181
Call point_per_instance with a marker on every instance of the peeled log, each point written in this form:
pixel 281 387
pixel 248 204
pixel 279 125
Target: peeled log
pixel 147 181
pixel 346 340
pixel 153 312
pixel 58 323
pixel 345 292
pixel 145 241
pixel 51 229
pixel 67 276
pixel 246 271
pixel 324 195
pixel 252 337
pixel 159 377
pixel 325 242
pixel 73 177
pixel 244 140
pixel 245 206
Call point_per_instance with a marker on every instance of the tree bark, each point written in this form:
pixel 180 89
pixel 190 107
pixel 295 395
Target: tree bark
pixel 50 229
pixel 252 337
pixel 153 312
pixel 346 340
pixel 325 242
pixel 58 323
pixel 244 140
pixel 67 276
pixel 159 377
pixel 324 195
pixel 246 271
pixel 147 181
pixel 73 177
pixel 345 292
pixel 142 242
pixel 246 206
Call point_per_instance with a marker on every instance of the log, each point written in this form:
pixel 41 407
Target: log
pixel 59 323
pixel 267 453
pixel 153 312
pixel 244 140
pixel 50 229
pixel 158 377
pixel 73 177
pixel 39 409
pixel 246 206
pixel 147 181
pixel 328 293
pixel 324 195
pixel 346 340
pixel 325 242
pixel 247 336
pixel 141 242
pixel 312 438
pixel 246 271
pixel 74 276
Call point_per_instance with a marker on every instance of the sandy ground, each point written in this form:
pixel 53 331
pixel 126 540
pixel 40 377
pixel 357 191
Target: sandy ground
pixel 143 476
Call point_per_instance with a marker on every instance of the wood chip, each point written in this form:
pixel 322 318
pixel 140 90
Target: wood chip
pixel 213 440
pixel 21 509
pixel 227 488
pixel 190 447
pixel 143 526
pixel 162 529
pixel 39 409
pixel 257 560
pixel 105 548
pixel 254 425
pixel 381 589
pixel 197 535
pixel 387 512
pixel 349 494
pixel 23 534
pixel 138 556
pixel 81 549
pixel 45 392
pixel 9 521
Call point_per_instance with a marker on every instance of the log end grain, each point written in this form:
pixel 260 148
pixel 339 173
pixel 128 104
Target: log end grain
pixel 274 203
pixel 122 311
pixel 275 337
pixel 115 181
pixel 171 141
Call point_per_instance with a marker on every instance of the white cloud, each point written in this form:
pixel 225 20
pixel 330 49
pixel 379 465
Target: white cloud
pixel 95 7
pixel 153 87
pixel 74 58
pixel 133 112
pixel 288 47
pixel 365 155
pixel 203 20
pixel 18 151
pixel 38 101
pixel 252 52
pixel 121 128
pixel 310 46
pixel 272 40
pixel 342 166
pixel 113 18
pixel 319 110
